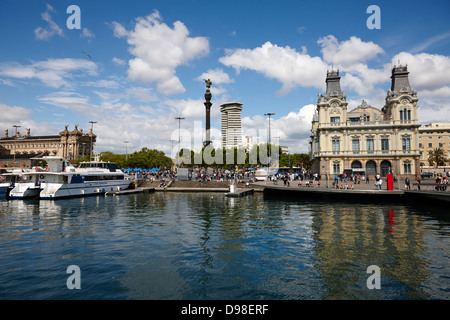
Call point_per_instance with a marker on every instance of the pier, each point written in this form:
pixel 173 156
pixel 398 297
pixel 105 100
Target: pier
pixel 239 193
pixel 360 192
pixel 130 191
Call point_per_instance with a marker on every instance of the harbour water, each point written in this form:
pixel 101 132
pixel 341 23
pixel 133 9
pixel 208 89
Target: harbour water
pixel 195 246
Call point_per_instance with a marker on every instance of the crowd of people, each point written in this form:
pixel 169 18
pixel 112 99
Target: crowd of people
pixel 305 178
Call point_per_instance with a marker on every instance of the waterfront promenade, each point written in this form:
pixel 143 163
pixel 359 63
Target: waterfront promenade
pixel 360 192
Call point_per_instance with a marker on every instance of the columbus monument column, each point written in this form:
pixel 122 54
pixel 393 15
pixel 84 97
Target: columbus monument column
pixel 208 105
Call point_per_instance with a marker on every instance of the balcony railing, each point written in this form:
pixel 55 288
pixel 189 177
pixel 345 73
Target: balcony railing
pixel 368 123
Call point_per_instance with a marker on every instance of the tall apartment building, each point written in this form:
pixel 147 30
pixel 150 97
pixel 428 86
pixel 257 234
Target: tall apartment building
pixel 366 139
pixel 231 125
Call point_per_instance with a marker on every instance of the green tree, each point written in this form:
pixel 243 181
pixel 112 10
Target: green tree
pixel 147 159
pixel 437 157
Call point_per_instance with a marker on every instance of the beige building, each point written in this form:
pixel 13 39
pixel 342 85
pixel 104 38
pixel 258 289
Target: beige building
pixel 69 144
pixel 366 140
pixel 433 136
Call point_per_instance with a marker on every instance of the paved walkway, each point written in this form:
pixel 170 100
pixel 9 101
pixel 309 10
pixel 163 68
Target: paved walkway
pixel 426 185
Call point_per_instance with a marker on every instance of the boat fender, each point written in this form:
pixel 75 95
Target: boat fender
pixel 41 176
pixel 47 169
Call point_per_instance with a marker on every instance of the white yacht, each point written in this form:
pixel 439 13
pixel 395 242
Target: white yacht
pixel 8 180
pixel 60 179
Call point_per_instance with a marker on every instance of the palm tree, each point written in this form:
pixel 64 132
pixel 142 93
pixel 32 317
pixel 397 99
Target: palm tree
pixel 437 157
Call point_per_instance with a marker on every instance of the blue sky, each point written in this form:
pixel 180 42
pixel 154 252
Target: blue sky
pixel 148 60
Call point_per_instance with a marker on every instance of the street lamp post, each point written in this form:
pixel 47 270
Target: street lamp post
pixel 15 138
pixel 92 133
pixel 179 136
pixel 270 155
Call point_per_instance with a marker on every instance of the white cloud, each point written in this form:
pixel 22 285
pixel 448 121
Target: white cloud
pixel 292 130
pixel 13 114
pixel 51 29
pixel 193 109
pixel 217 76
pixel 428 74
pixel 426 71
pixel 348 52
pixel 17 115
pixel 52 72
pixel 159 50
pixel 438 39
pixel 118 61
pixel 110 84
pixel 141 94
pixel 86 33
pixel 284 64
pixel 65 99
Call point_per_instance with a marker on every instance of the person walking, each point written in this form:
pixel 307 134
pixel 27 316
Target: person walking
pixel 377 182
pixel 407 184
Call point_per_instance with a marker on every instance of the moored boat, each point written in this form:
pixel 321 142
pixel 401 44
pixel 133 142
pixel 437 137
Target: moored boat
pixel 60 179
pixel 8 180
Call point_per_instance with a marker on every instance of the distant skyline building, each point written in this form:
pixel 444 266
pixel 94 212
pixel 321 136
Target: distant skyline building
pixel 231 124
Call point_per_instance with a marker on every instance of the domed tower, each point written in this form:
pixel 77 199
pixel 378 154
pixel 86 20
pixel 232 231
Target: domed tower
pixel 401 100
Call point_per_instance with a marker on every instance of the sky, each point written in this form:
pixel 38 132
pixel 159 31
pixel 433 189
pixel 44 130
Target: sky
pixel 134 66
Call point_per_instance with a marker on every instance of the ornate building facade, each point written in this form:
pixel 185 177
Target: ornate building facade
pixel 367 140
pixel 69 144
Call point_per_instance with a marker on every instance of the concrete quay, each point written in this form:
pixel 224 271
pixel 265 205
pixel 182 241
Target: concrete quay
pixel 360 192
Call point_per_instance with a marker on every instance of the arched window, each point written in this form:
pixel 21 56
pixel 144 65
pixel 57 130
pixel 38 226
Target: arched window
pixel 371 167
pixel 356 164
pixel 385 167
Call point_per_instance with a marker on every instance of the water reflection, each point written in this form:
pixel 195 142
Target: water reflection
pixel 349 239
pixel 208 246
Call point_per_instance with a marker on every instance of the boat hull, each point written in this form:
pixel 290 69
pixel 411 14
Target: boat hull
pixel 23 191
pixel 53 191
pixel 4 190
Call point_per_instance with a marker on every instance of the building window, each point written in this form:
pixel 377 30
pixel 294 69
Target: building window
pixel 336 167
pixel 441 145
pixel 355 144
pixel 405 114
pixel 335 119
pixel 406 168
pixel 406 144
pixel 370 144
pixel 420 145
pixel 384 144
pixel 430 145
pixel 335 143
